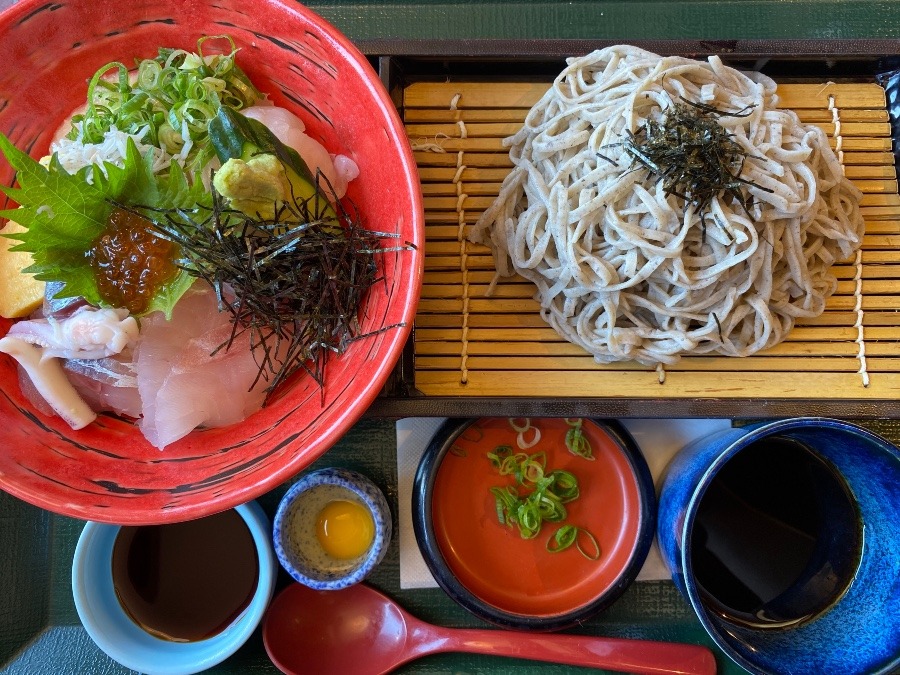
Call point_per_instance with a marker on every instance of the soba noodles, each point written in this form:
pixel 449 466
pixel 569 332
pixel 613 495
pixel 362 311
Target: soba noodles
pixel 629 272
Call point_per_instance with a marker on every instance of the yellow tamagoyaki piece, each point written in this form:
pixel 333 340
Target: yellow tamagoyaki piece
pixel 20 292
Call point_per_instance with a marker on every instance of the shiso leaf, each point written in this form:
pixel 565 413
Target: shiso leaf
pixel 64 214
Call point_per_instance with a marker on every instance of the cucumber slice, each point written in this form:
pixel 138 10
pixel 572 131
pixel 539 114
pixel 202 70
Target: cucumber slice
pixel 234 136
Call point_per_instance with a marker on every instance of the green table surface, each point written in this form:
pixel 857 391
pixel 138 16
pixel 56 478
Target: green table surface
pixel 39 628
pixel 614 19
pixel 40 631
pixel 609 19
pixel 627 19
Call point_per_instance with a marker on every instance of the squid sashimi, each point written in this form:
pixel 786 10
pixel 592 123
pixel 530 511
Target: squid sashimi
pixel 105 383
pixel 88 333
pixel 338 170
pixel 108 384
pixel 184 379
pixel 38 345
pixel 50 382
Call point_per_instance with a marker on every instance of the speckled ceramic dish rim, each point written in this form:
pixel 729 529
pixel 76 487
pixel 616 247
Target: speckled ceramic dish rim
pixel 368 493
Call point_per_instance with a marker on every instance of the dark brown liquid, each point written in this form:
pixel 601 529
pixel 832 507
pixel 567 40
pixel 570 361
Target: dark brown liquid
pixel 187 581
pixel 777 538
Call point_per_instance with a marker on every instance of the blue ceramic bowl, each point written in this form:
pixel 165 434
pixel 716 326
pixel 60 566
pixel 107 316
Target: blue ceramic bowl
pixel 860 632
pixel 123 640
pixel 294 529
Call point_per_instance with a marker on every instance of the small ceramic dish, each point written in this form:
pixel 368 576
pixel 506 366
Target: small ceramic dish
pixel 332 528
pixel 515 582
pixel 117 634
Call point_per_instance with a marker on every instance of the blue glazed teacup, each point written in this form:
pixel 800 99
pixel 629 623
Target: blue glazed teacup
pixel 108 624
pixel 785 539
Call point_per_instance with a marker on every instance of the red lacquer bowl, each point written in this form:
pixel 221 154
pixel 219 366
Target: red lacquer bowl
pixel 107 471
pixel 514 582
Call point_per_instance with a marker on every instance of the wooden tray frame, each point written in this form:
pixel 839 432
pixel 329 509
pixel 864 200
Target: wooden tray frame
pixel 798 61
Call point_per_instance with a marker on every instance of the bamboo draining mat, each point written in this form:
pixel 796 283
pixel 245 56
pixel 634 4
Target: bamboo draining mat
pixel 467 344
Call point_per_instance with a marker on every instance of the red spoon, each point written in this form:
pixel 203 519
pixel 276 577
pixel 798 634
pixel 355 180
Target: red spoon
pixel 359 631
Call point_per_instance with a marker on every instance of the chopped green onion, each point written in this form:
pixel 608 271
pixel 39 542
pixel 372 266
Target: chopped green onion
pixel 562 539
pixel 544 501
pixel 507 466
pixel 528 517
pixel 519 428
pixel 532 471
pixel 576 441
pixel 500 453
pixel 564 485
pixel 506 503
pixel 535 438
pixel 567 535
pixel 458 451
pixel 551 507
pixel 171 102
pixel 510 465
pixel 595 554
pixel 477 436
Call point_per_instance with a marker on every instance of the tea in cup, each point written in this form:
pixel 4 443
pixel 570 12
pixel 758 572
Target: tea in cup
pixel 178 598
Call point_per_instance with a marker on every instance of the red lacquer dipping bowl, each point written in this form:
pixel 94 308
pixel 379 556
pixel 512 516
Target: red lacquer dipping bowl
pixel 488 567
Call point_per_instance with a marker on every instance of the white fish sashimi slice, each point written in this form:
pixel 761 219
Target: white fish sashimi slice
pixel 186 402
pixel 49 381
pixel 106 384
pixel 280 121
pixel 181 383
pixel 30 392
pixel 289 129
pixel 59 308
pixel 40 345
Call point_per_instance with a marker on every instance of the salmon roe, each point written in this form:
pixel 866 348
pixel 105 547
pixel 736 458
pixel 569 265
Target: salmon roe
pixel 131 263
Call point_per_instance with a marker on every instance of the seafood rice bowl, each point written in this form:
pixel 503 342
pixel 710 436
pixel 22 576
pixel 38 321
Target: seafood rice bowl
pixel 213 254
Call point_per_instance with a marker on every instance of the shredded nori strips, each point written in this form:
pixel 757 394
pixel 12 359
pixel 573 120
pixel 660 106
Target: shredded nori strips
pixel 694 156
pixel 296 282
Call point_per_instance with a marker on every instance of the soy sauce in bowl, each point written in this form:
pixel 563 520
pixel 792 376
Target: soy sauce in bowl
pixel 777 538
pixel 188 581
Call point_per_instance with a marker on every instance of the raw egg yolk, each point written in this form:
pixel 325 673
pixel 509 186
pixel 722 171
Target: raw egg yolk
pixel 345 529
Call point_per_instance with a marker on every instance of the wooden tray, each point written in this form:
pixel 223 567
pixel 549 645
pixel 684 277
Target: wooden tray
pixel 469 346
